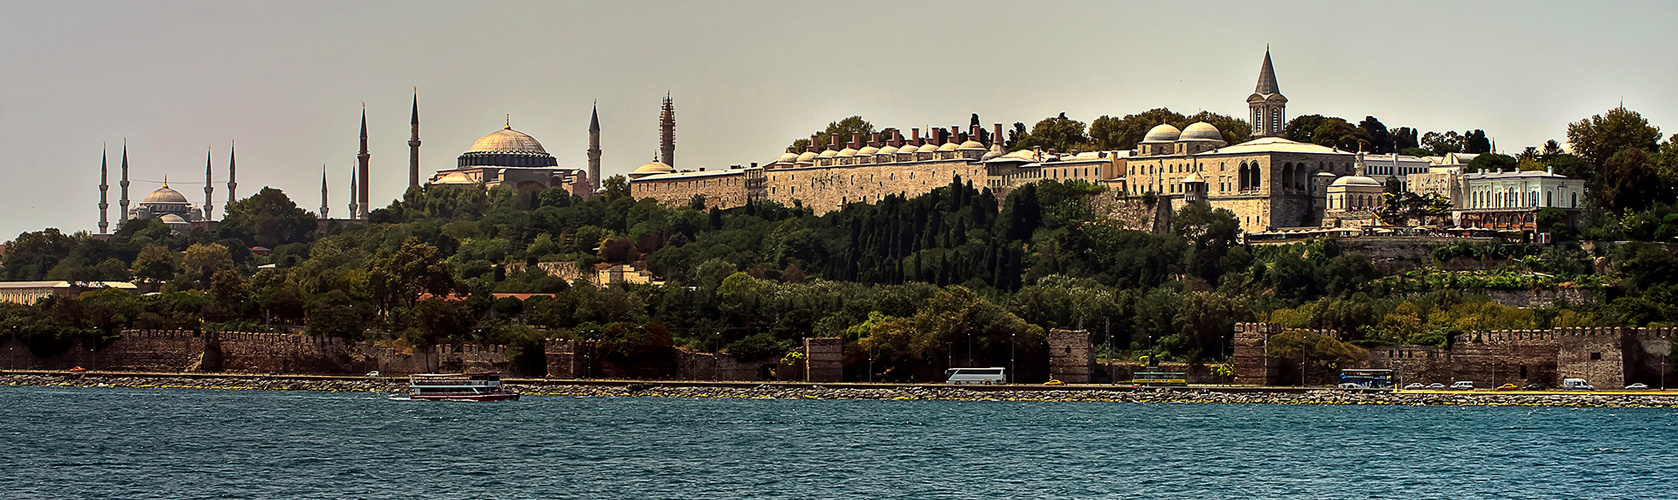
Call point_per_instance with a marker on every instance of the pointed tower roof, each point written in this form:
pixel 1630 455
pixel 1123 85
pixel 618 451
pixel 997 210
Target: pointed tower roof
pixel 1267 77
pixel 363 121
pixel 416 108
pixel 594 119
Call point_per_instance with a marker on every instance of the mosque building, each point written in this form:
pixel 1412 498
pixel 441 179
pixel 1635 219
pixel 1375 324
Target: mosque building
pixel 164 204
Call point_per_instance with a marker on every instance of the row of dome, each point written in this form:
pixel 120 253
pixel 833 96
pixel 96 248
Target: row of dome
pixel 810 156
pixel 1198 131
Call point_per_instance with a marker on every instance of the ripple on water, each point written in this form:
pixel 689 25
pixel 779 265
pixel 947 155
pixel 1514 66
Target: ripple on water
pixel 183 443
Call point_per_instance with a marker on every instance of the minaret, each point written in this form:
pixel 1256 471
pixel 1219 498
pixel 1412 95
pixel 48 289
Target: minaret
pixel 1267 105
pixel 232 153
pixel 594 148
pixel 323 207
pixel 353 205
pixel 667 132
pixel 122 218
pixel 413 145
pixel 209 203
pixel 104 188
pixel 361 157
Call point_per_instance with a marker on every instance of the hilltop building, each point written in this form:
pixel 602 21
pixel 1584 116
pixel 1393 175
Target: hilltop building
pixel 511 158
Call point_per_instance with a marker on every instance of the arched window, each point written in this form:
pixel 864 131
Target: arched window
pixel 1575 203
pixel 1258 177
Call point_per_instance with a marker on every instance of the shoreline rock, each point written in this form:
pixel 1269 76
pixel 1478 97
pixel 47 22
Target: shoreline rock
pixel 912 393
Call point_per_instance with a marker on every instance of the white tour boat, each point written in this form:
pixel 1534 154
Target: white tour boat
pixel 484 386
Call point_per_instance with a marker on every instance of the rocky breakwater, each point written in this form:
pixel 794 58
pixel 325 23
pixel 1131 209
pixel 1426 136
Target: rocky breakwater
pixel 1247 396
pixel 254 382
pixel 878 392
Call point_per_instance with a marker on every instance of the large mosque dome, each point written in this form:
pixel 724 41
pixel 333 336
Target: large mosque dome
pixel 507 148
pixel 1201 131
pixel 165 196
pixel 508 140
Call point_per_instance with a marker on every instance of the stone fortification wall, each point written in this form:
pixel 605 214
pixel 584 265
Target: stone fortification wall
pixel 1544 297
pixel 823 359
pixel 825 189
pixel 187 351
pixel 1253 364
pixel 1129 211
pixel 1071 356
pixel 1606 357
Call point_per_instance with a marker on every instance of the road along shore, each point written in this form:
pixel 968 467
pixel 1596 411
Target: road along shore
pixel 918 392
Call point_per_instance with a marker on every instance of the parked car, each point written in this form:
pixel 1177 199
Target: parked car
pixel 1506 387
pixel 373 373
pixel 1054 382
pixel 1534 387
pixel 1462 385
pixel 1576 384
pixel 1638 387
pixel 1436 386
pixel 1414 386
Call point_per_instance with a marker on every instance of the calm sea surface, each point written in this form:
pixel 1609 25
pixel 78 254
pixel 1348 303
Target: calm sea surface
pixel 179 443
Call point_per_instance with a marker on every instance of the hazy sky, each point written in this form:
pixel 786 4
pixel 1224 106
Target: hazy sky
pixel 287 79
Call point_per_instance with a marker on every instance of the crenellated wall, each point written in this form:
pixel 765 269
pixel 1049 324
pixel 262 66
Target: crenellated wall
pixel 187 351
pixel 1606 357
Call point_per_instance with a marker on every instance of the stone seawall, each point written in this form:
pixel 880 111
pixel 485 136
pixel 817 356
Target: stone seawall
pixel 882 392
pixel 187 351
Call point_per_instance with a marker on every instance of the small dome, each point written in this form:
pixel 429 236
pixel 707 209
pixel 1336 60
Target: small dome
pixel 972 145
pixel 847 152
pixel 653 167
pixel 789 157
pixel 1164 132
pixel 508 140
pixel 828 153
pixel 909 148
pixel 165 195
pixel 807 157
pixel 1200 131
pixel 888 150
pixel 868 150
pixel 1356 180
pixel 948 146
pixel 172 219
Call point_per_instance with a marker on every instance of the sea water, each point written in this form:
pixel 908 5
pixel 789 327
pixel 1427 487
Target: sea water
pixel 63 442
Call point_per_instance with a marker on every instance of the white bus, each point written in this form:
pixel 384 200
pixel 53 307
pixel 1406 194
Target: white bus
pixel 986 376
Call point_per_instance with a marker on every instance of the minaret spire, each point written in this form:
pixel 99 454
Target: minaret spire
pixel 323 206
pixel 361 157
pixel 232 153
pixel 353 205
pixel 594 148
pixel 413 145
pixel 667 132
pixel 209 186
pixel 122 218
pixel 104 188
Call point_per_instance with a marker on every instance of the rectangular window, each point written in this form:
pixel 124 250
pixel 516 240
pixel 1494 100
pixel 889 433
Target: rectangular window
pixel 1596 356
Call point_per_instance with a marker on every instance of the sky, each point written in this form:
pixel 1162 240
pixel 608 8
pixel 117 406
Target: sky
pixel 287 80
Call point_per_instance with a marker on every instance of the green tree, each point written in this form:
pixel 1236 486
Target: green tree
pixel 1380 140
pixel 155 263
pixel 617 188
pixel 1602 136
pixel 842 130
pixel 399 278
pixel 203 260
pixel 1629 181
pixel 268 218
pixel 1057 133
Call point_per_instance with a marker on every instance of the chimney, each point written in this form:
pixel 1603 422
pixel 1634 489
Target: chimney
pixel 955 131
pixel 856 140
pixel 997 135
pixel 812 147
pixel 917 134
pixel 875 142
pixel 973 131
pixel 833 144
pixel 896 138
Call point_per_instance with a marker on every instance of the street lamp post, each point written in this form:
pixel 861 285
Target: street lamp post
pixel 1014 377
pixel 949 355
pixel 970 349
